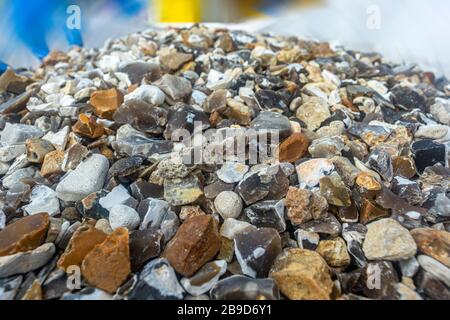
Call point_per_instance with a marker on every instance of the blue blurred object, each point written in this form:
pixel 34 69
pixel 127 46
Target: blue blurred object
pixel 3 67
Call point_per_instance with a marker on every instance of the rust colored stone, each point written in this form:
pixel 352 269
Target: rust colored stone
pixel 88 127
pixel 434 243
pixel 107 266
pixel 196 242
pixel 25 234
pixel 371 211
pixel 404 166
pixel 293 148
pixel 52 163
pixel 82 242
pixel 106 102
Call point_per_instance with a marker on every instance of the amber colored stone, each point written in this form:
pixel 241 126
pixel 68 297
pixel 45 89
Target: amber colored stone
pixel 55 57
pixel 368 185
pixel 25 234
pixel 434 243
pixel 88 127
pixel 81 243
pixel 107 266
pixel 34 292
pixel 52 163
pixel 106 102
pixel 293 148
pixel 196 242
pixel 371 211
pixel 404 166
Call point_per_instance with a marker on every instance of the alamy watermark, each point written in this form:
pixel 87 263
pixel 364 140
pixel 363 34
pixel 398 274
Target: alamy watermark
pixel 73 21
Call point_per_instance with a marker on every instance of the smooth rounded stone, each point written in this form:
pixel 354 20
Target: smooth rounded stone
pixel 313 112
pixel 386 239
pixel 176 88
pixel 182 120
pixel 378 280
pixel 212 190
pixel 81 243
pixel 122 216
pixel 157 281
pixel 187 252
pixel 141 189
pixel 326 147
pixel 238 287
pixel 256 250
pixel 184 191
pixel 427 153
pixel 441 111
pixel 293 148
pixel 24 262
pixel 37 149
pixel 142 116
pixel 228 204
pixel 15 178
pixel 327 225
pixel 147 93
pixel 303 205
pixel 232 227
pixel 118 196
pixel 24 234
pixel 89 207
pixel 42 199
pixel 144 245
pixel 311 171
pixel 435 268
pixel 156 214
pixel 14 134
pixel 8 153
pixel 104 226
pixel 272 122
pixel 433 131
pixel 107 265
pixel 267 214
pixel 302 275
pixel 232 172
pixel 434 243
pixel 204 279
pixel 88 294
pixel 335 191
pixel 87 178
pixel 334 251
pixel 307 239
pixel 9 287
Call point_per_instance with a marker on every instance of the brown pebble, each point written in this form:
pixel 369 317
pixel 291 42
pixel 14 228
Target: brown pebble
pixel 106 102
pixel 293 148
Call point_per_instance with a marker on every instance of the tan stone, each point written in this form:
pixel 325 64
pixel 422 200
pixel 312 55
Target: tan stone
pixel 52 164
pixel 107 266
pixel 37 149
pixel 434 243
pixel 34 292
pixel 196 242
pixel 87 126
pixel 106 102
pixel 293 148
pixel 334 251
pixel 82 242
pixel 302 275
pixel 173 59
pixel 303 205
pixel 25 234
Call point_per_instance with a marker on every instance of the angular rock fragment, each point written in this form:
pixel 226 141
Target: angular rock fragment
pixel 144 245
pixel 434 243
pixel 205 278
pixel 106 102
pixel 239 287
pixel 267 214
pixel 334 251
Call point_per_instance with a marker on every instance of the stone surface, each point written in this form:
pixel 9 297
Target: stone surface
pixel 106 102
pixel 196 242
pixel 231 172
pixel 25 234
pixel 239 287
pixel 144 245
pixel 427 153
pixel 16 134
pixel 434 243
pixel 334 251
pixel 386 239
pixel 303 205
pixel 293 148
pixel 43 199
pixel 122 216
pixel 204 279
pixel 311 171
pixel 107 265
pixel 313 112
pixel 267 214
pixel 228 204
pixel 302 275
pixel 182 191
pixel 37 149
pixel 335 191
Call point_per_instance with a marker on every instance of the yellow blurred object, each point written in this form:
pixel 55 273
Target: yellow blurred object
pixel 178 10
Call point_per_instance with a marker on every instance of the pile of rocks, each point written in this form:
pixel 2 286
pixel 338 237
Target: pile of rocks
pixel 98 201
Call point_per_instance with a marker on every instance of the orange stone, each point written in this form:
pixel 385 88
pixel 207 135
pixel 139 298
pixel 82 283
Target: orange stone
pixel 52 163
pixel 404 166
pixel 371 211
pixel 82 242
pixel 293 148
pixel 107 266
pixel 25 234
pixel 196 242
pixel 88 127
pixel 434 243
pixel 55 57
pixel 106 102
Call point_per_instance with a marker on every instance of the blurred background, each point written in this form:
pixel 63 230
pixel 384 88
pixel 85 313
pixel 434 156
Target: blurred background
pixel 412 31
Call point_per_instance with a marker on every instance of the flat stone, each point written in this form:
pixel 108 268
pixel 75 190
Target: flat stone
pixel 335 191
pixel 147 93
pixel 434 243
pixel 157 281
pixel 232 172
pixel 232 227
pixel 326 147
pixel 228 204
pixel 256 250
pixel 239 287
pixel 404 166
pixel 144 245
pixel 89 207
pixel 8 153
pixel 88 177
pixel 378 280
pixel 9 287
pixel 42 199
pixel 23 262
pixel 441 112
pixel 15 178
pixel 107 265
pixel 307 239
pixel 386 239
pixel 176 88
pixel 268 121
pixel 17 134
pixel 24 234
pixel 216 101
pixel 293 148
pixel 172 59
pixel 58 139
pixel 302 275
pixel 327 225
pixel 82 242
pixel 371 211
pixel 204 279
pixel 182 191
pixel 334 251
pixel 122 216
pixel 141 189
pixel 380 161
pixel 187 252
pixel 183 119
pixel 267 214
pixel 106 102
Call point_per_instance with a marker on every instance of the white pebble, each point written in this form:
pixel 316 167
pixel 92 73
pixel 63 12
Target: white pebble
pixel 123 216
pixel 228 204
